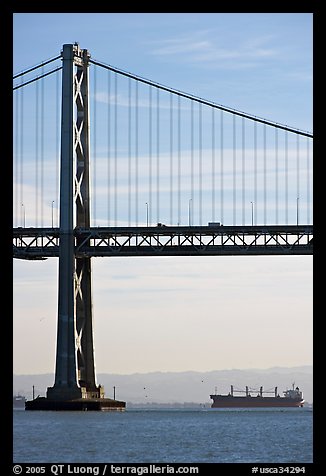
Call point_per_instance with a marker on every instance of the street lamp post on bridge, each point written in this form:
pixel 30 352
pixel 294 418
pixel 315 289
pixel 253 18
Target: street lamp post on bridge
pixel 189 211
pixel 147 214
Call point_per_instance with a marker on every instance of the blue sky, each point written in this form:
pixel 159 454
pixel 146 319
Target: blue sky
pixel 182 313
pixel 259 63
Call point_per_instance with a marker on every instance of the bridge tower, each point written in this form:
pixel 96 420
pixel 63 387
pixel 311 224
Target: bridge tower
pixel 75 370
pixel 75 373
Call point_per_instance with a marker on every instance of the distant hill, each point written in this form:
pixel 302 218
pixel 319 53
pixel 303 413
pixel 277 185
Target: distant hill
pixel 180 387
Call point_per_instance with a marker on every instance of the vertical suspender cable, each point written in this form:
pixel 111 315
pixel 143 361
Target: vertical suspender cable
pixel 179 160
pixel 222 166
pixel 136 152
pixel 150 165
pixel 308 182
pixel 255 173
pixel 21 157
pixel 298 179
pixel 243 172
pixel 213 164
pixel 265 193
pixel 42 150
pixel 276 176
pixel 286 178
pixel 115 148
pixel 94 146
pixel 109 148
pixel 192 164
pixel 158 154
pixel 16 157
pixel 234 169
pixel 200 133
pixel 171 159
pixel 57 141
pixel 36 151
pixel 129 152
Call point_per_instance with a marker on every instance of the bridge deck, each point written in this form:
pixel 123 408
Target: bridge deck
pixel 42 243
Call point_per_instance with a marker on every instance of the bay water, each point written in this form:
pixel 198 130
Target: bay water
pixel 165 435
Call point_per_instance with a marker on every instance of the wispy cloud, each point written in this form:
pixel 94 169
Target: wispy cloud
pixel 195 48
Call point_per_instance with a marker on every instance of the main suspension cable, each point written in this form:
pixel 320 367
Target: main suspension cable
pixel 37 78
pixel 36 67
pixel 203 101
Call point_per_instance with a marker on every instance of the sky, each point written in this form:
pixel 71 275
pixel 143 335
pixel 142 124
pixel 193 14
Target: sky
pixel 194 313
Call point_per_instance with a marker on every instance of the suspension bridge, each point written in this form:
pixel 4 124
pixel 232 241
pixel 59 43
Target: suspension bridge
pixel 107 163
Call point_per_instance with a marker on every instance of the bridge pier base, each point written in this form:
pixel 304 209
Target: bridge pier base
pixel 74 398
pixel 77 404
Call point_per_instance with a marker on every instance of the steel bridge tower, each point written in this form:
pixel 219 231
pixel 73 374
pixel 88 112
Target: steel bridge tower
pixel 75 385
pixel 75 372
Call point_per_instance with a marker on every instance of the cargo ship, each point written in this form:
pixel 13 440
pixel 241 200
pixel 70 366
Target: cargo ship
pixel 253 398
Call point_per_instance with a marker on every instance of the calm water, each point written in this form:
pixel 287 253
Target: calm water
pixel 159 436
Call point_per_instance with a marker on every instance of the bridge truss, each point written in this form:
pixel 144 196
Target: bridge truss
pixel 43 243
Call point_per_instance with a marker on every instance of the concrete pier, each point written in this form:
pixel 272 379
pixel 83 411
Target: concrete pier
pixel 78 404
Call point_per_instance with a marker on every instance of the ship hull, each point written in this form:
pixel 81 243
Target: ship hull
pixel 221 401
